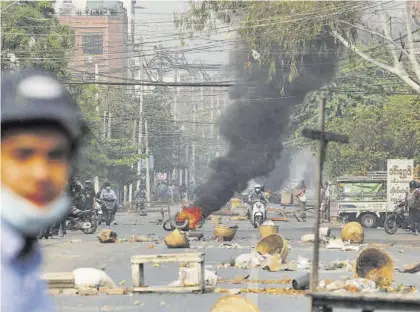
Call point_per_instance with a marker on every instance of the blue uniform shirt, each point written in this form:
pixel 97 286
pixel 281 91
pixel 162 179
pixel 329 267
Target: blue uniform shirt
pixel 22 290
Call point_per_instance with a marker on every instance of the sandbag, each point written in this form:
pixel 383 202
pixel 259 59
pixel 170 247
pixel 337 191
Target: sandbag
pixel 92 278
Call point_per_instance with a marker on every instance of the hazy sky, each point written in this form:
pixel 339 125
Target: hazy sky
pixel 155 24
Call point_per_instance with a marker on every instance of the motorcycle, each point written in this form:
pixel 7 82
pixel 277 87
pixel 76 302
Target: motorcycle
pixel 398 219
pixel 108 210
pixel 258 213
pixel 99 212
pixel 84 220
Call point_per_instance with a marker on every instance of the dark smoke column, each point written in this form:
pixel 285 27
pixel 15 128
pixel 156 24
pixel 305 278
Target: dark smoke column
pixel 255 125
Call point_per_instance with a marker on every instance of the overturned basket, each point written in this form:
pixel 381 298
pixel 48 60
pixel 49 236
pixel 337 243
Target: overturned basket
pixel 176 240
pixel 234 304
pixel 353 232
pixel 267 230
pixel 274 244
pixel 376 264
pixel 225 233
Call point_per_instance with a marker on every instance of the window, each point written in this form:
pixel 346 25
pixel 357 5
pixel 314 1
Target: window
pixel 93 43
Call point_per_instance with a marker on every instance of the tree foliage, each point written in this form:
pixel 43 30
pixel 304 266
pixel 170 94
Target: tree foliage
pixel 32 37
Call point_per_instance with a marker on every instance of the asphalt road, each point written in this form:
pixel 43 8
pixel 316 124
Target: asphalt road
pixel 79 250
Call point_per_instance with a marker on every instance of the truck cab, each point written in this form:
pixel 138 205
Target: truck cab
pixel 363 199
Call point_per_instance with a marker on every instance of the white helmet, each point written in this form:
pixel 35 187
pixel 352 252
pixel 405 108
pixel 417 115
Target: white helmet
pixel 258 188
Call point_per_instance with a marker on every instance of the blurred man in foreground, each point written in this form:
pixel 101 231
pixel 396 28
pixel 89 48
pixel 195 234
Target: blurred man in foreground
pixel 41 130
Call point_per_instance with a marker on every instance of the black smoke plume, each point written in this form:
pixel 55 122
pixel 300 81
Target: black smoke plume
pixel 256 123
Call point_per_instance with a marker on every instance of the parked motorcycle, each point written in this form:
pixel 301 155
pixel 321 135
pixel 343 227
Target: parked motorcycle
pixel 258 214
pixel 99 212
pixel 398 219
pixel 83 220
pixel 108 210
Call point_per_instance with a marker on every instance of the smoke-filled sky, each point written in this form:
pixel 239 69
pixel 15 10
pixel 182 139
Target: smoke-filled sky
pixel 256 123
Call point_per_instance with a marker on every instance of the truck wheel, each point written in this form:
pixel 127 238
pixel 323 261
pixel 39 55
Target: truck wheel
pixel 368 220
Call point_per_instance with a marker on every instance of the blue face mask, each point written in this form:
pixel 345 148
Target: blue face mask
pixel 28 218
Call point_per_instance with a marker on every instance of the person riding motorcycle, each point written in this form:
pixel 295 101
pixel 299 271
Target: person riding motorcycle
pixel 413 203
pixel 257 194
pixel 108 194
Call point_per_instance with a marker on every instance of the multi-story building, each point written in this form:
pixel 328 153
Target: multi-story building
pixel 101 38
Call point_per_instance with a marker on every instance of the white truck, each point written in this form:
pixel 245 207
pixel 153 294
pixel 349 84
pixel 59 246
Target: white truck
pixel 363 199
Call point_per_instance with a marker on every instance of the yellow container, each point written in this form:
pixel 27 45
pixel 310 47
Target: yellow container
pixel 224 233
pixel 267 230
pixel 376 264
pixel 274 244
pixel 234 304
pixel 353 232
pixel 176 240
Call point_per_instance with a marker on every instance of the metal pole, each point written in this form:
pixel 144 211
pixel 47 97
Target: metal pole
pixel 147 162
pixel 140 141
pixel 109 125
pixel 96 178
pixel 320 161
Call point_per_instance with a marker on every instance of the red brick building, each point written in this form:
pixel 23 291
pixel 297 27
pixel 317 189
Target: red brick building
pixel 101 40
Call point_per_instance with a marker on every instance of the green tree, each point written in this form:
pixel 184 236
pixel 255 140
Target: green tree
pixel 32 37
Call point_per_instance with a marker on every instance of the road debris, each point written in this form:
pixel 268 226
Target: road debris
pixel 351 285
pixel 107 236
pixel 188 276
pixel 87 291
pixel 92 278
pixel 303 264
pixel 338 264
pixel 140 239
pixel 302 282
pixel 353 232
pixel 267 291
pixel 412 268
pixel 234 303
pixel 113 291
pixel 273 245
pixel 225 233
pixel 268 228
pixel 335 244
pixel 376 264
pixel 176 239
pixel 324 234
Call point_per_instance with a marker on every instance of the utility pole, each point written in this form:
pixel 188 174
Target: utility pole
pixel 109 125
pixel 219 113
pixel 147 162
pixel 104 124
pixel 174 113
pixel 96 178
pixel 140 139
pixel 193 141
pixel 323 138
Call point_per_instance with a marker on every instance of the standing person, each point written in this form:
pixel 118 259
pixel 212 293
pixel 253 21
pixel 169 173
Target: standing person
pixel 89 195
pixel 41 132
pixel 301 196
pixel 183 191
pixel 140 198
pixel 413 202
pixel 327 203
pixel 170 193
